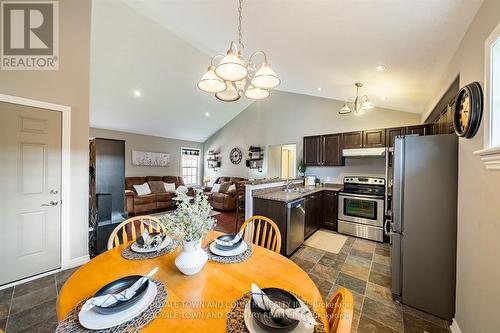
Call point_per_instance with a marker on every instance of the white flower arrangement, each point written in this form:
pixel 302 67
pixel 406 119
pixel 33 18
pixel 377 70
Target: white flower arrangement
pixel 190 221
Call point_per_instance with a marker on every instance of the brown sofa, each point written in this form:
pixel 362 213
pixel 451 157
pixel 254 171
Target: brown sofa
pixel 137 204
pixel 223 200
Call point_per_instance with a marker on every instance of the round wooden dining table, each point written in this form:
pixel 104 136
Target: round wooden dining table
pixel 197 303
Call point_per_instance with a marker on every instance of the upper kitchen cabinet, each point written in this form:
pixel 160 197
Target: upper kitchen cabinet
pixel 323 150
pixel 441 116
pixel 425 129
pixel 331 150
pixel 374 138
pixel 392 133
pixel 352 140
pixel 311 150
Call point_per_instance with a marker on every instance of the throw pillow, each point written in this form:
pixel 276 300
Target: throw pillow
pixel 169 187
pixel 142 189
pixel 156 186
pixel 232 188
pixel 215 188
pixel 224 187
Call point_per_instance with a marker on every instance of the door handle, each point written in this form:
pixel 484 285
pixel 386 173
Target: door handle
pixel 386 224
pixel 51 203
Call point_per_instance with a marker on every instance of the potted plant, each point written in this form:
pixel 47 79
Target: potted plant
pixel 189 223
pixel 301 167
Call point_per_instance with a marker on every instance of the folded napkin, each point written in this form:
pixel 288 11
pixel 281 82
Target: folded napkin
pixel 233 241
pixel 145 237
pixel 262 301
pixel 111 299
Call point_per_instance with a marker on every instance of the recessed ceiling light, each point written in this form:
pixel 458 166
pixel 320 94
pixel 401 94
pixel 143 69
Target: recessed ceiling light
pixel 383 98
pixel 137 93
pixel 381 68
pixel 319 89
pixel 207 114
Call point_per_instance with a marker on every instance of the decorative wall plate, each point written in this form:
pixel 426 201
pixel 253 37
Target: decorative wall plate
pixel 468 110
pixel 235 155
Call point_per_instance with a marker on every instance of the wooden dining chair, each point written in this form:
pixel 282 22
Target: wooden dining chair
pixel 262 231
pixel 340 311
pixel 128 229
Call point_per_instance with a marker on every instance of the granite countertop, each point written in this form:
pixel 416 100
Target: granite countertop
pixel 273 180
pixel 280 195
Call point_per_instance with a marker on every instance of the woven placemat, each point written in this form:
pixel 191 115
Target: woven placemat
pixel 235 322
pixel 127 252
pixel 229 260
pixel 70 323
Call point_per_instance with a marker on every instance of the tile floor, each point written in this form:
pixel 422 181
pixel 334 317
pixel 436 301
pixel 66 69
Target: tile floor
pixel 31 306
pixel 363 267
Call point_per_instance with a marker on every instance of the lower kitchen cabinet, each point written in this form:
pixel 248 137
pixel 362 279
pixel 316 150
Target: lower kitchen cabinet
pixel 276 211
pixel 314 213
pixel 330 210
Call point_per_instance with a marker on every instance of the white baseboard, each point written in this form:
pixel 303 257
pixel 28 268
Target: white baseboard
pixel 454 328
pixel 70 264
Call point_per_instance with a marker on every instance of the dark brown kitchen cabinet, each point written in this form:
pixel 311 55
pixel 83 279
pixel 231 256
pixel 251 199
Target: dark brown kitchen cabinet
pixel 352 140
pixel 314 213
pixel 276 211
pixel 374 138
pixel 331 150
pixel 323 150
pixel 424 129
pixel 330 207
pixel 312 150
pixel 392 133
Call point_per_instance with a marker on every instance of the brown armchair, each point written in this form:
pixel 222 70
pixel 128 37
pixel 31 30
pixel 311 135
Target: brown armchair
pixel 157 200
pixel 224 200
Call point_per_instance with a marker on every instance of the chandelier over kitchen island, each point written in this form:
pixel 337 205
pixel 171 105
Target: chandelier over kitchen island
pixel 233 77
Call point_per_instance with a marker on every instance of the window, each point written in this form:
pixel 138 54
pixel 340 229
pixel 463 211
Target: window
pixel 490 155
pixel 190 163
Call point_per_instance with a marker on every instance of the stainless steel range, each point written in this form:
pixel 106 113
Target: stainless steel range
pixel 361 207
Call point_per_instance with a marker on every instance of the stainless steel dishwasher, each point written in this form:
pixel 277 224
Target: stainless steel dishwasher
pixel 295 218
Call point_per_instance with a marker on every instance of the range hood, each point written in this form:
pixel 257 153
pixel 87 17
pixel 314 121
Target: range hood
pixel 360 152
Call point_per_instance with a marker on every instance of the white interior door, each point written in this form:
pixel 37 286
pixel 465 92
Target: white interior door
pixel 30 179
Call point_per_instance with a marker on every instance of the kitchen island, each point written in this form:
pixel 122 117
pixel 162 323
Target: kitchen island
pixel 299 212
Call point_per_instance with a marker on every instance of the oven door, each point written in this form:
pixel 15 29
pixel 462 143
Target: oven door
pixel 359 208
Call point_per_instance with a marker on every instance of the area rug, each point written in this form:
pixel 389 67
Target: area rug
pixel 326 241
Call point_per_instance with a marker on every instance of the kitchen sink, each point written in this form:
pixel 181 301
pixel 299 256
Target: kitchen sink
pixel 295 190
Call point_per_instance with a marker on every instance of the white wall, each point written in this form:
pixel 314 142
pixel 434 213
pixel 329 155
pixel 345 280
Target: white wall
pixel 67 86
pixel 150 143
pixel 284 118
pixel 478 248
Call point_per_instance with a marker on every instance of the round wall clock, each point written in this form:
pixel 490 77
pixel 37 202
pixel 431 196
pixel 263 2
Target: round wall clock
pixel 468 110
pixel 235 155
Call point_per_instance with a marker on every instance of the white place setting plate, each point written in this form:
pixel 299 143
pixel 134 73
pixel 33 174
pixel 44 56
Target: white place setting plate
pixel 253 327
pixel 137 248
pixel 93 320
pixel 239 250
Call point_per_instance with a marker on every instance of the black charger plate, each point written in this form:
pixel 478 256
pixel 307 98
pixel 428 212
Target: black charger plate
pixel 264 319
pixel 118 286
pixel 227 238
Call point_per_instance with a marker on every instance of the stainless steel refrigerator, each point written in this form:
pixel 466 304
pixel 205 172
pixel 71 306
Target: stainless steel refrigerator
pixel 423 229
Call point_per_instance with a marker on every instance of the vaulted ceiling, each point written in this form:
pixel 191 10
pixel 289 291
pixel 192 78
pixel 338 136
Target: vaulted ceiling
pixel 319 48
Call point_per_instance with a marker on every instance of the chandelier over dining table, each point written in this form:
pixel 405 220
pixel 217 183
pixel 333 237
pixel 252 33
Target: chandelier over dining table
pixel 233 76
